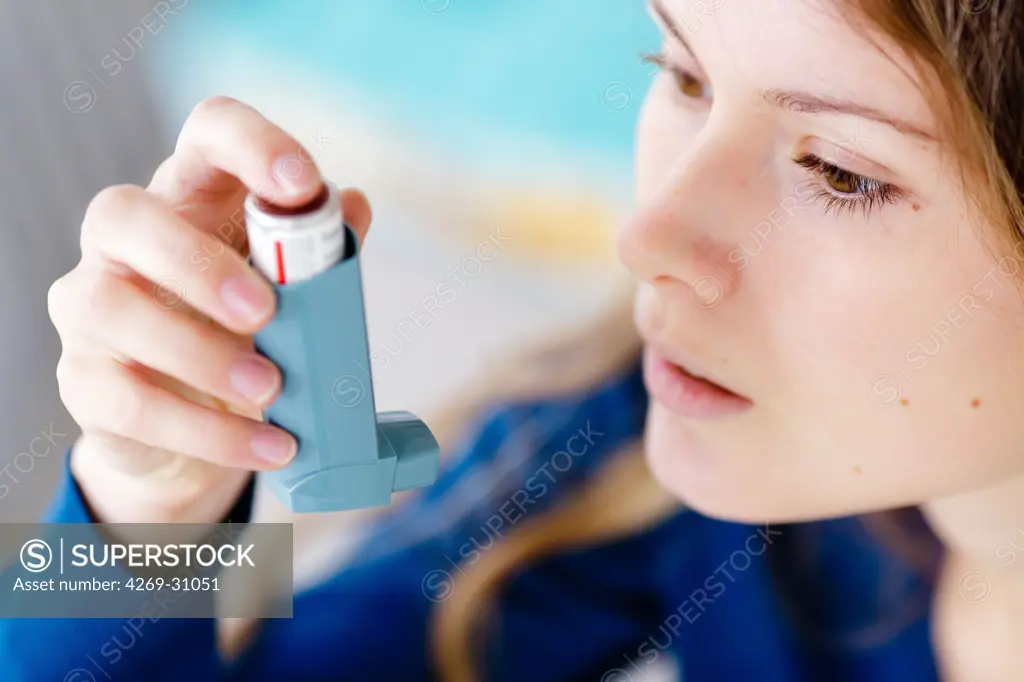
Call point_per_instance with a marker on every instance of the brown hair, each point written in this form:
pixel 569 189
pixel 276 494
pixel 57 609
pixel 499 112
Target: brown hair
pixel 970 54
pixel 969 59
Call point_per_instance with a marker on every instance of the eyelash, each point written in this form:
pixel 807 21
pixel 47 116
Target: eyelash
pixel 870 193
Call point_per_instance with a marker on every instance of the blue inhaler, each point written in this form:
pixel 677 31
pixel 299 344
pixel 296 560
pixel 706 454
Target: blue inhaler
pixel 349 456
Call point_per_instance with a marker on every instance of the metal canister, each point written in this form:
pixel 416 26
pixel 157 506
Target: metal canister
pixel 292 244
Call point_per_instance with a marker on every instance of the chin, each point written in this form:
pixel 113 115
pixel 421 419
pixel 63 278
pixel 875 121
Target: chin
pixel 723 485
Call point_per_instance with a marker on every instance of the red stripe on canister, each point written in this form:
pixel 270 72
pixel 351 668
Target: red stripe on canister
pixel 281 279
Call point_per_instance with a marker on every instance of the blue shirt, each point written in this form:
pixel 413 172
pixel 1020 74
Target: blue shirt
pixel 730 602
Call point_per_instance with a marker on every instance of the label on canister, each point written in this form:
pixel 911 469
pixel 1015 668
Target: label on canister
pixel 291 245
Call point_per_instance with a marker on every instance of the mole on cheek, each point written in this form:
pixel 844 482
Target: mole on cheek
pixel 916 207
pixel 858 470
pixel 904 402
pixel 976 403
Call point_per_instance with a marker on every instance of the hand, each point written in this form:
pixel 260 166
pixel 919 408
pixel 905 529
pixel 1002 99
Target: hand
pixel 158 365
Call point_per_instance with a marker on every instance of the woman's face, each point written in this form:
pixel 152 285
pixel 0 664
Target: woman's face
pixel 802 240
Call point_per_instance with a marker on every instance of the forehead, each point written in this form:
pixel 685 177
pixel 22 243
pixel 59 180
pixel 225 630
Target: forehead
pixel 820 46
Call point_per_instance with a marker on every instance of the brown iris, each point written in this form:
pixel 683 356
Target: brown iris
pixel 687 84
pixel 843 181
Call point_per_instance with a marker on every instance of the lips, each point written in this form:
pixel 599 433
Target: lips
pixel 687 389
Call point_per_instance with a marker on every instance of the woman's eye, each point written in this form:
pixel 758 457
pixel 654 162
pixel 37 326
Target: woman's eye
pixel 846 182
pixel 688 84
pixel 840 189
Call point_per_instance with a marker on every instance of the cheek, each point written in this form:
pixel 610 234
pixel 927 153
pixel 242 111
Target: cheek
pixel 902 373
pixel 883 374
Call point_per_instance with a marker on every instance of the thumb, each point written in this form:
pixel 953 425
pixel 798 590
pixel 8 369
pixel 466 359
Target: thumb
pixel 357 212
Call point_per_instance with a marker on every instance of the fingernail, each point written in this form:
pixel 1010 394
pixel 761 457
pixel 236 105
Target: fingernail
pixel 274 446
pixel 294 174
pixel 255 378
pixel 246 298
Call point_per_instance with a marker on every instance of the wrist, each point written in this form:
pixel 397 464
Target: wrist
pixel 164 488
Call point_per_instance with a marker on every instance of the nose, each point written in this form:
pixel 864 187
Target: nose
pixel 680 238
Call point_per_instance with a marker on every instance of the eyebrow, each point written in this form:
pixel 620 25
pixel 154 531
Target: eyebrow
pixel 803 102
pixel 807 103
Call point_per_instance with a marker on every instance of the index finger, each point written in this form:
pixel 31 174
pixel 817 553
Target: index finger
pixel 225 147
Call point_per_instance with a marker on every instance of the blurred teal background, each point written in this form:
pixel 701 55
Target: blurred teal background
pixel 560 72
pixel 465 121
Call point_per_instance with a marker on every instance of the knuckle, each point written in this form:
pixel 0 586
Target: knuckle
pixel 204 112
pixel 56 303
pixel 66 308
pixel 65 377
pixel 213 105
pixel 100 292
pixel 109 206
pixel 112 200
pixel 67 304
pixel 70 378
